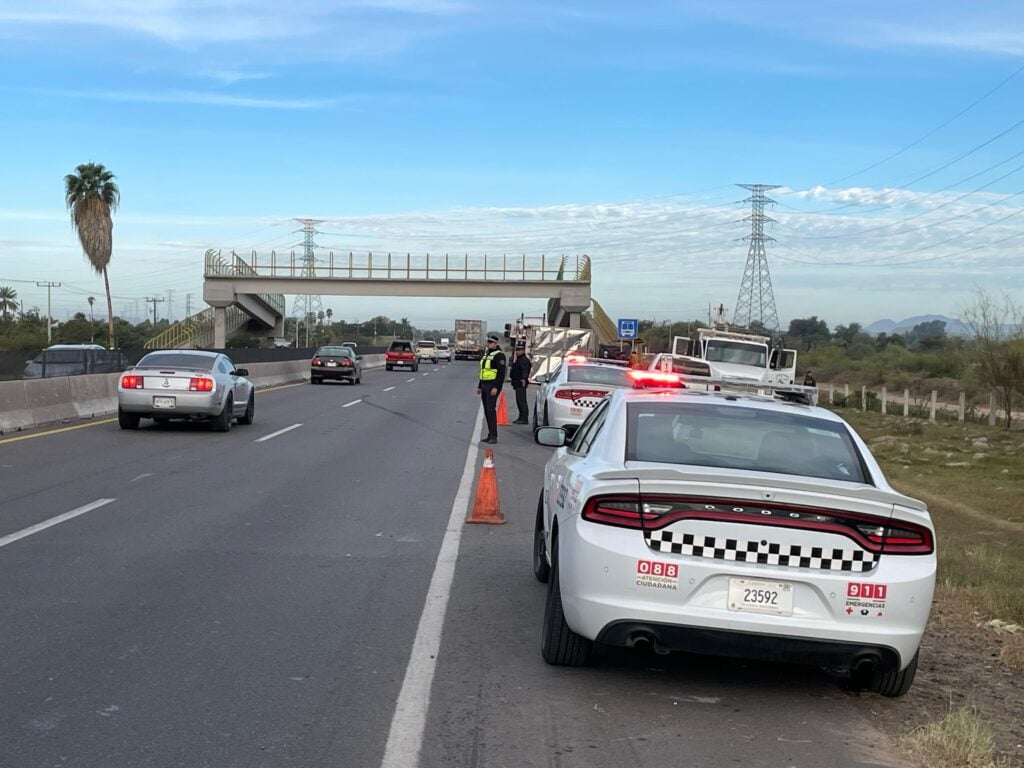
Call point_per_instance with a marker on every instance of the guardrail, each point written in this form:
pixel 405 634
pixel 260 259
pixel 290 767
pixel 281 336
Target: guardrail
pixel 388 266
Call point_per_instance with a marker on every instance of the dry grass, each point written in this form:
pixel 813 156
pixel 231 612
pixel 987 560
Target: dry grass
pixel 1012 653
pixel 959 740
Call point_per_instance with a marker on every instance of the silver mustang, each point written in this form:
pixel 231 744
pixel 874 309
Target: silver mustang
pixel 185 384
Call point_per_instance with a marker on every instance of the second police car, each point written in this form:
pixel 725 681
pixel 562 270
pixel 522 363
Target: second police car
pixel 735 525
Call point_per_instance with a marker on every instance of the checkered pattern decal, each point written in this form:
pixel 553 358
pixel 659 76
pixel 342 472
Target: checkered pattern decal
pixel 587 402
pixel 768 553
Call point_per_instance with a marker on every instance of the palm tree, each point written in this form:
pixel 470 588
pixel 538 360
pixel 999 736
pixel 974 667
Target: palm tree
pixel 8 300
pixel 91 196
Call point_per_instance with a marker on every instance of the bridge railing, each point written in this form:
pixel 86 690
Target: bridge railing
pixel 389 266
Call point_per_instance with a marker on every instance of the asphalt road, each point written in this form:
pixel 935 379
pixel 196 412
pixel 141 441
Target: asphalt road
pixel 228 601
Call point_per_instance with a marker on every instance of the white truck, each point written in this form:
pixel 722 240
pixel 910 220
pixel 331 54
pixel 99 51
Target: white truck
pixel 738 355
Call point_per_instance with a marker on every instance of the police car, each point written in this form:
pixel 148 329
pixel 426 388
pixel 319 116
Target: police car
pixel 731 524
pixel 568 394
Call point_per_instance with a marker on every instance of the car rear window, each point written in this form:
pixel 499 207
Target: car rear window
pixel 731 437
pixel 612 377
pixel 400 346
pixel 164 360
pixel 334 352
pixel 429 344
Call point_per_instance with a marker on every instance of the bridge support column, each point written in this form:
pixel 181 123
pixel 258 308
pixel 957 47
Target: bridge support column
pixel 574 319
pixel 220 324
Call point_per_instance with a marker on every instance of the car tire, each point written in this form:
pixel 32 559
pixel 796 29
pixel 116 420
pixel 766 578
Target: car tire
pixel 896 683
pixel 313 380
pixel 128 420
pixel 223 422
pixel 559 644
pixel 541 566
pixel 416 368
pixel 388 367
pixel 250 410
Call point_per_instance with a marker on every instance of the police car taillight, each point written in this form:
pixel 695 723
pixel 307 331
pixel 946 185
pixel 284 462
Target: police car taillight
pixel 901 539
pixel 620 511
pixel 575 393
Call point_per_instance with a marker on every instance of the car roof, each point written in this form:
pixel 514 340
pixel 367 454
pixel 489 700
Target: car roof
pixel 736 399
pixel 202 352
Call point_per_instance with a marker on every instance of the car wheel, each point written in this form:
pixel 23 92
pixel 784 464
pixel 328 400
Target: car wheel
pixel 388 367
pixel 416 368
pixel 250 410
pixel 559 644
pixel 223 422
pixel 128 420
pixel 541 566
pixel 359 379
pixel 894 684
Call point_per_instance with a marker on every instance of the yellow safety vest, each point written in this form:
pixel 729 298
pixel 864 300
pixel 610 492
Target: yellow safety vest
pixel 486 372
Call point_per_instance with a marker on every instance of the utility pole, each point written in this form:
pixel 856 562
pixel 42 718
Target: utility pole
pixel 188 305
pixel 756 300
pixel 154 302
pixel 170 303
pixel 49 313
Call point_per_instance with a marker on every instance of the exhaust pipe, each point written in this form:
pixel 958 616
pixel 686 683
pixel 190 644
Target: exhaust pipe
pixel 643 641
pixel 864 665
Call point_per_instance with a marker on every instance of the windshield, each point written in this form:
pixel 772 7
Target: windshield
pixel 732 437
pixel 737 352
pixel 334 352
pixel 165 360
pixel 612 377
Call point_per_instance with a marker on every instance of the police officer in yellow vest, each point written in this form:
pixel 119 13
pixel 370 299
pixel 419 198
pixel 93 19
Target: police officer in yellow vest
pixel 492 378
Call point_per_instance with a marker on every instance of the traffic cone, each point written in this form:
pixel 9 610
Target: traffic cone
pixel 502 411
pixel 486 508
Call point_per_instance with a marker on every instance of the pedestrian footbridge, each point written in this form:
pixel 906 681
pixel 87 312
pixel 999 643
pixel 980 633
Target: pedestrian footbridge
pixel 251 290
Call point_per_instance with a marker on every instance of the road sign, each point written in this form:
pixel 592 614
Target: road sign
pixel 627 329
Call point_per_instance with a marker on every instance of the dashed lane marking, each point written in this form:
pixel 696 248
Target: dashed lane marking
pixel 409 380
pixel 279 432
pixel 388 389
pixel 25 532
pixel 354 402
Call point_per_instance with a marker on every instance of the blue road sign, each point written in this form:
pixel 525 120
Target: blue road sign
pixel 627 329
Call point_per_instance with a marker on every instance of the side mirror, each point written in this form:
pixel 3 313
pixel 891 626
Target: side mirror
pixel 241 372
pixel 541 378
pixel 553 437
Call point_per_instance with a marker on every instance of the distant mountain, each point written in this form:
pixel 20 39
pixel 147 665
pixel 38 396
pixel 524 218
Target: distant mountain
pixel 954 327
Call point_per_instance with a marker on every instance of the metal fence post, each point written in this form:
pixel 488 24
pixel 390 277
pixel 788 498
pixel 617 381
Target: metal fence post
pixel 831 394
pixel 863 398
pixel 960 407
pixel 931 407
pixel 885 400
pixel 906 402
pixel 991 409
pixel 846 394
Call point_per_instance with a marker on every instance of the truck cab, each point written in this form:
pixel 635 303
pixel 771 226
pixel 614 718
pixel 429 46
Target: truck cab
pixel 739 355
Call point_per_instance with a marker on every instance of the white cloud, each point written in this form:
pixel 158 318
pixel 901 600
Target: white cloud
pixel 215 99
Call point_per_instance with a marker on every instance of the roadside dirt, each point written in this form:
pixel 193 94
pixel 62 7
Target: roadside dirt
pixel 960 666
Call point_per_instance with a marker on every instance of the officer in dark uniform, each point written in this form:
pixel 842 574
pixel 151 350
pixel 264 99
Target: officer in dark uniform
pixel 519 375
pixel 809 380
pixel 492 379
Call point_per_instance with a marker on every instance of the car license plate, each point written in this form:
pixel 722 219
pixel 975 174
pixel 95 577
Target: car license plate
pixel 163 402
pixel 752 596
pixel 331 364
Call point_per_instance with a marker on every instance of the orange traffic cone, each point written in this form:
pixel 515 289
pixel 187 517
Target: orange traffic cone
pixel 486 508
pixel 502 411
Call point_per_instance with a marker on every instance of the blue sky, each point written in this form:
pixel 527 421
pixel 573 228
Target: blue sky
pixel 617 130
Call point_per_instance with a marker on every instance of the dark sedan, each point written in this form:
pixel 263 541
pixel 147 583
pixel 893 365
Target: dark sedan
pixel 335 364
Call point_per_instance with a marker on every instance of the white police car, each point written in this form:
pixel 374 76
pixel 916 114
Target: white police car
pixel 734 525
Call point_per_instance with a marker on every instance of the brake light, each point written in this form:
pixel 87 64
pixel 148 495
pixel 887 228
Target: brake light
pixel 346 363
pixel 316 361
pixel 200 384
pixel 575 359
pixel 130 381
pixel 902 539
pixel 619 511
pixel 573 393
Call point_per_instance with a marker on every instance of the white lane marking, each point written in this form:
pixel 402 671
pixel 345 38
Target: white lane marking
pixel 388 389
pixel 13 537
pixel 405 739
pixel 425 374
pixel 348 405
pixel 141 477
pixel 272 435
pixel 408 380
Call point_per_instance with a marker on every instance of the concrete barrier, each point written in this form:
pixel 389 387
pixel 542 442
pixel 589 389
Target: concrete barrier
pixel 37 402
pixel 14 411
pixel 94 395
pixel 50 400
